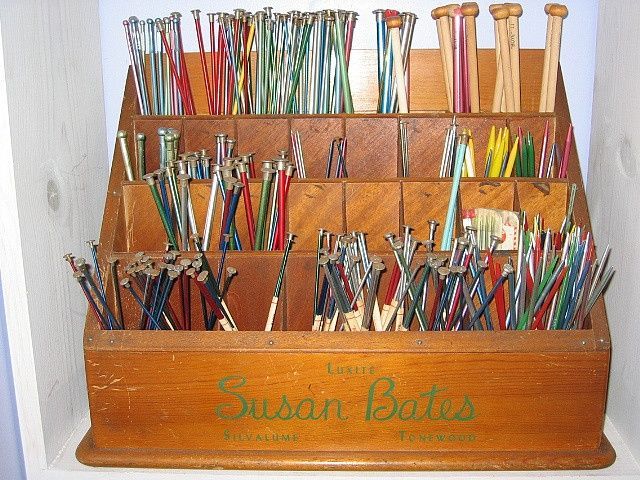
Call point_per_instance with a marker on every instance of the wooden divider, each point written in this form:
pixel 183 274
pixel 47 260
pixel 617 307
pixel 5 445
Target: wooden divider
pixel 345 205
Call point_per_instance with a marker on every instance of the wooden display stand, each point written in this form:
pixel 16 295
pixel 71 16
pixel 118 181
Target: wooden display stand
pixel 296 399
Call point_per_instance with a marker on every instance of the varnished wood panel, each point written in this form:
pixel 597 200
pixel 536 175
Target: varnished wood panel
pixel 262 137
pixel 426 142
pixel 524 385
pixel 373 208
pixel 201 133
pixel 549 199
pixel 424 201
pixel 316 135
pixel 435 394
pixel 314 205
pixel 372 150
pixel 487 194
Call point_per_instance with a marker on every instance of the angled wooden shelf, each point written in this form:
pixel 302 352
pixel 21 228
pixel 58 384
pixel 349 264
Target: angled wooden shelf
pixel 500 400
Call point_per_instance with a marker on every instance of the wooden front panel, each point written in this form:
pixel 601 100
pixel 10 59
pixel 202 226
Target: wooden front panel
pixel 372 149
pixel 262 136
pixel 549 199
pixel 373 208
pixel 384 401
pixel 316 135
pixel 424 201
pixel 312 206
pixel 201 133
pixel 487 194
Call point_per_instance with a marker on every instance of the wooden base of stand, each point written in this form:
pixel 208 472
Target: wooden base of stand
pixel 88 454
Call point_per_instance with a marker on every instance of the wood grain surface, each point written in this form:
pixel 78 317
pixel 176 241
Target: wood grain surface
pixel 491 400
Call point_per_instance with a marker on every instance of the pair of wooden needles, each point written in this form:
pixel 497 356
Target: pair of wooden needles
pixel 556 13
pixel 506 95
pixel 458 50
pixel 507 92
pixel 456 38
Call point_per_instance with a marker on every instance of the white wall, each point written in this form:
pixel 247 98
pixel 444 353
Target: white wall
pixel 11 461
pixel 52 190
pixel 577 50
pixel 614 172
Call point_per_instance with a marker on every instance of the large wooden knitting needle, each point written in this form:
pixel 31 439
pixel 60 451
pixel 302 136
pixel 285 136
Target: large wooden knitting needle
pixel 393 24
pixel 460 83
pixel 470 11
pixel 500 15
pixel 498 92
pixel 441 15
pixel 558 13
pixel 513 24
pixel 436 14
pixel 545 63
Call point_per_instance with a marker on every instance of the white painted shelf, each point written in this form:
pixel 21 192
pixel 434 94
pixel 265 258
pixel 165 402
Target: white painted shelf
pixel 66 467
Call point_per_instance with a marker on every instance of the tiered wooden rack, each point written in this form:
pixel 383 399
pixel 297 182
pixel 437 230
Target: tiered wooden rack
pixel 163 399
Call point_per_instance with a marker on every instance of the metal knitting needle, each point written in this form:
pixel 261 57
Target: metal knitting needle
pixel 413 293
pixel 79 276
pixel 184 210
pixel 402 296
pixel 360 288
pixel 276 292
pixel 141 155
pixel 126 159
pixel 512 300
pixel 211 208
pixel 408 318
pixel 113 264
pixel 126 284
pixel 468 300
pixel 372 294
pixel 94 255
pixel 231 272
pixel 82 266
pixel 506 270
pixel 149 178
pixel 172 275
pixel 206 281
pixel 338 291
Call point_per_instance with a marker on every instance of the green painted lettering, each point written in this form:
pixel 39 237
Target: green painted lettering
pixel 225 385
pixel 391 405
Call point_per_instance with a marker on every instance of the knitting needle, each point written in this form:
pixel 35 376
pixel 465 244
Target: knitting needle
pixel 126 159
pixel 515 12
pixel 276 292
pixel 500 15
pixel 470 11
pixel 558 13
pixel 451 210
pixel 203 60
